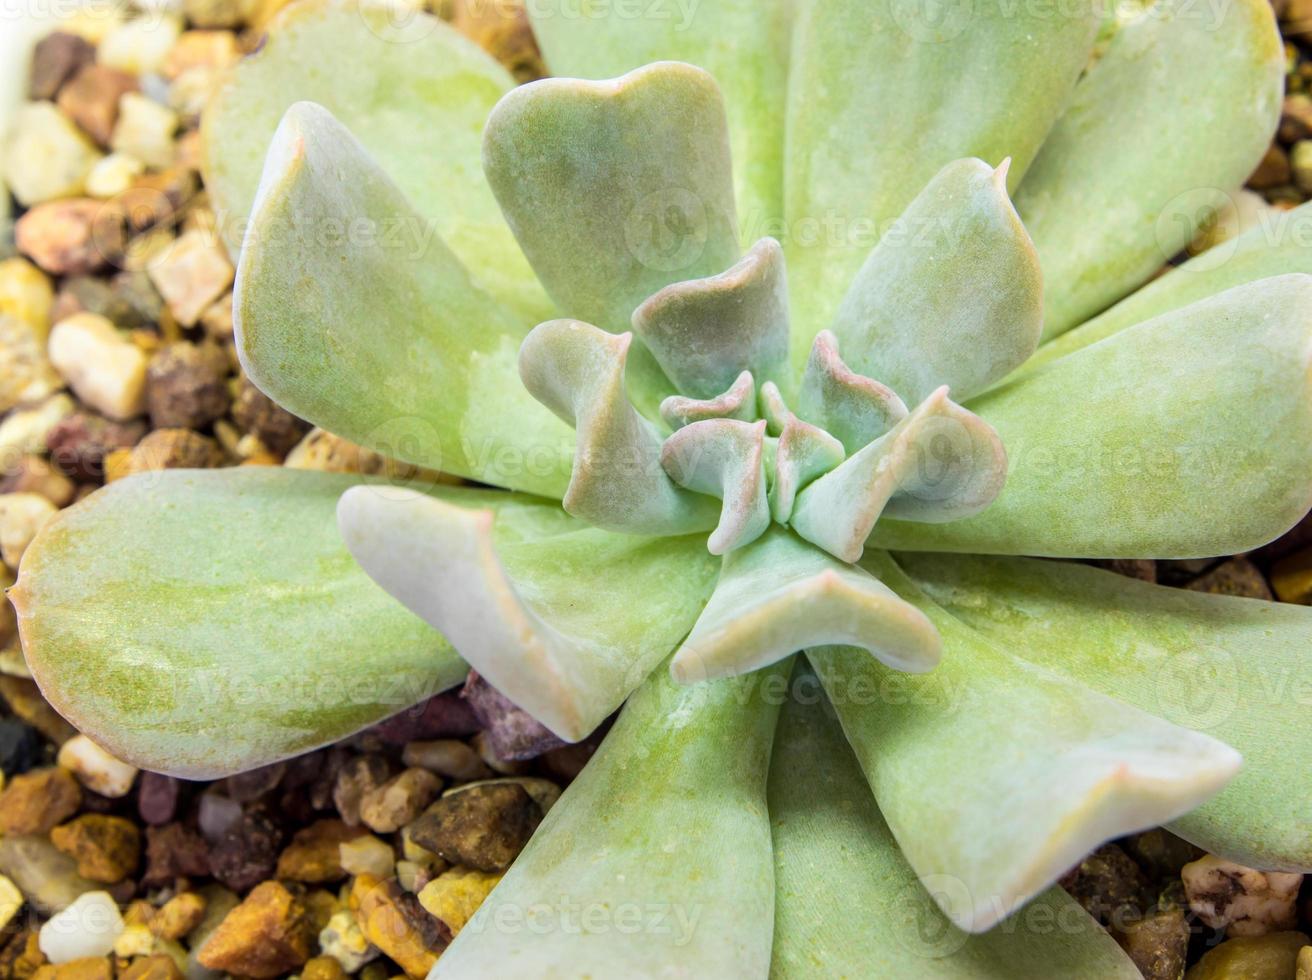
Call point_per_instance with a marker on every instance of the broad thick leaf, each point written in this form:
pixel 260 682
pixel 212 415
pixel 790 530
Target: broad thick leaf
pixel 881 96
pixel 204 622
pixel 562 618
pixel 1235 668
pixel 1280 242
pixel 833 851
pixel 414 91
pixel 1132 169
pixel 952 294
pixel 779 595
pixel 656 862
pixel 996 775
pixel 940 463
pixel 743 43
pixel 578 371
pixel 724 458
pixel 705 332
pixel 615 189
pixel 1185 436
pixel 386 342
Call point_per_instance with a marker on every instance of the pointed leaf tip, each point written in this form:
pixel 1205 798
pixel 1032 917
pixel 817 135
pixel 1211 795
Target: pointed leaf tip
pixel 506 594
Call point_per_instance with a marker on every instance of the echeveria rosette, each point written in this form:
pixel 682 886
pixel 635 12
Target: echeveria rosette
pixel 381 295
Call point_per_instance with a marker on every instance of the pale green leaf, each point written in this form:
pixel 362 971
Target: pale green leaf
pixel 738 401
pixel 1134 167
pixel 656 861
pixel 724 458
pixel 802 451
pixel 1184 436
pixel 414 91
pixel 848 904
pixel 1280 242
pixel 881 96
pixel 743 43
pixel 940 463
pixel 615 189
pixel 952 294
pixel 508 597
pixel 1234 668
pixel 384 341
pixel 204 622
pixel 705 332
pixel 853 408
pixel 779 595
pixel 996 775
pixel 579 372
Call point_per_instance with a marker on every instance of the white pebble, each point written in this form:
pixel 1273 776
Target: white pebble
pixel 107 371
pixel 46 156
pixel 25 430
pixel 367 855
pixel 88 927
pixel 343 940
pixel 144 130
pixel 191 275
pixel 113 175
pixel 1240 900
pixel 22 515
pixel 140 46
pixel 95 768
pixel 446 757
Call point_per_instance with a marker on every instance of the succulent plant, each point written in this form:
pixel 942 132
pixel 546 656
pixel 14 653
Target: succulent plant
pixel 798 407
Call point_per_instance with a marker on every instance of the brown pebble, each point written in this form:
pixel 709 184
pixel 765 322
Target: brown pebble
pixel 255 784
pixel 483 827
pixel 25 700
pixel 72 236
pixel 1109 885
pixel 106 848
pixel 156 200
pixel 158 967
pixel 186 386
pixel 1296 118
pixel 247 853
pixel 178 916
pixel 37 801
pixel 32 474
pixel 314 855
pixel 1273 171
pixel 169 449
pixel 56 58
pixel 1237 577
pixel 255 412
pixel 267 935
pixel 1144 569
pixel 79 443
pixel 90 98
pixel 398 801
pixel 174 851
pixel 357 777
pixel 1159 942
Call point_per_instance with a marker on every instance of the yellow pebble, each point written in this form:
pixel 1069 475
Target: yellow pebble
pixel 455 896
